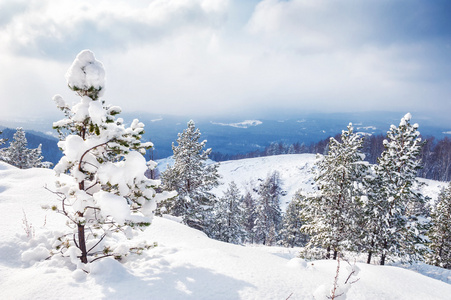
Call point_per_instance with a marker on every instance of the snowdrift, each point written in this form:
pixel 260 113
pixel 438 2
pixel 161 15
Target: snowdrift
pixel 184 265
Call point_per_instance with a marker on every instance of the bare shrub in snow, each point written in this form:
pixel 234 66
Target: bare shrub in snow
pixel 27 226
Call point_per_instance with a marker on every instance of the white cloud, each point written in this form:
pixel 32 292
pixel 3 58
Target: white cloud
pixel 219 56
pixel 51 28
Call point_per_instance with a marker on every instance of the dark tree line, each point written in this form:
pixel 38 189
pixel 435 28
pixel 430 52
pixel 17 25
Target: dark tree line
pixel 435 154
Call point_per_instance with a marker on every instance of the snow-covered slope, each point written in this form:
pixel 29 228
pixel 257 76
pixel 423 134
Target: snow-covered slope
pixel 185 264
pixel 295 172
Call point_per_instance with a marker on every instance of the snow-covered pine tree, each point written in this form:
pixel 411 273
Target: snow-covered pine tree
pixel 106 190
pixel 394 208
pixel 36 158
pixel 333 214
pixel 268 213
pixel 290 234
pixel 2 141
pixel 17 154
pixel 192 178
pixel 250 214
pixel 229 216
pixel 440 231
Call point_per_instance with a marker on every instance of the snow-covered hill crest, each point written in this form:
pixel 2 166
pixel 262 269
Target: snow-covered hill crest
pixel 295 172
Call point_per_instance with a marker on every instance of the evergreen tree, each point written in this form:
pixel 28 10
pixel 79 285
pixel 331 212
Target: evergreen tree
pixel 2 151
pixel 107 191
pixel 2 141
pixel 17 154
pixel 192 178
pixel 250 215
pixel 36 158
pixel 333 214
pixel 229 216
pixel 440 231
pixel 268 211
pixel 394 209
pixel 291 223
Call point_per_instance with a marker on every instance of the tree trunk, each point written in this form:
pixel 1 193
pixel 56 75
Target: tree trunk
pixel 370 253
pixel 383 253
pixel 82 243
pixel 328 252
pixel 335 254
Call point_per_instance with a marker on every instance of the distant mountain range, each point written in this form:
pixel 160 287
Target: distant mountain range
pixel 233 136
pixel 238 136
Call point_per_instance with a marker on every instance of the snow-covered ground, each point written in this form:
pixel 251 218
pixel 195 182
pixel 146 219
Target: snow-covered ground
pixel 185 264
pixel 295 172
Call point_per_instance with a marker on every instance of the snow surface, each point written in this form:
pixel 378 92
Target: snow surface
pixel 295 172
pixel 185 264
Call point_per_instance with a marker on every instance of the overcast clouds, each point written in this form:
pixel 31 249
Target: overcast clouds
pixel 219 56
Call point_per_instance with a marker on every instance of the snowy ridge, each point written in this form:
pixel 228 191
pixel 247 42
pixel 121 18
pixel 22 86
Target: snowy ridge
pixel 185 264
pixel 295 172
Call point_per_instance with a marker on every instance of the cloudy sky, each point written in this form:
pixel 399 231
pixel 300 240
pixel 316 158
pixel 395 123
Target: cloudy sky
pixel 213 57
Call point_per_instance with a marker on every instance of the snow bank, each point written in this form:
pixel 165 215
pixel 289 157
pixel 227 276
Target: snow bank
pixel 185 265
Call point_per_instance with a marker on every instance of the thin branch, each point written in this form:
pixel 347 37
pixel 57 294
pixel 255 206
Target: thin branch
pixel 103 236
pixel 59 194
pixel 101 257
pixel 86 152
pixel 95 183
pixel 75 241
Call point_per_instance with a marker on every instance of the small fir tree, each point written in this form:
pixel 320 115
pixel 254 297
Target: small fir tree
pixel 394 210
pixel 290 234
pixel 2 141
pixel 193 180
pixel 440 231
pixel 229 216
pixel 250 215
pixel 18 155
pixel 333 214
pixel 107 190
pixel 268 213
pixel 36 158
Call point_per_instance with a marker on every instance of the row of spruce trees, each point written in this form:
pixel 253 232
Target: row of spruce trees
pixel 375 209
pixel 361 207
pixel 231 218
